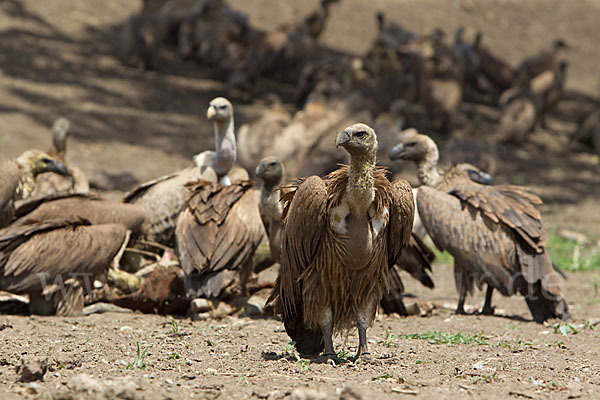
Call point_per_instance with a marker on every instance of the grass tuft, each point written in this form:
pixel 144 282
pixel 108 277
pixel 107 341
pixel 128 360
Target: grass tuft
pixel 570 255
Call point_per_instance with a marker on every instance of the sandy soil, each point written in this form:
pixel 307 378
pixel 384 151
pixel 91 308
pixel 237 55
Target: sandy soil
pixel 57 58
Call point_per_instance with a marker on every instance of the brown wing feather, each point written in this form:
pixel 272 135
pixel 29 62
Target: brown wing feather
pixel 402 212
pixel 90 208
pixel 55 250
pixel 163 199
pixel 219 230
pixel 304 220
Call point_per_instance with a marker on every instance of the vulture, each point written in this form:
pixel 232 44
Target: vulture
pixel 415 259
pixel 283 51
pixel 54 261
pixel 496 70
pixel 589 130
pixel 216 236
pixel 164 198
pixel 494 233
pixel 341 235
pixel 49 183
pixel 18 179
pixel 271 172
pixel 546 60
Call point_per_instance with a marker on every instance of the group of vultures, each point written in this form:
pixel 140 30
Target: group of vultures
pixel 311 195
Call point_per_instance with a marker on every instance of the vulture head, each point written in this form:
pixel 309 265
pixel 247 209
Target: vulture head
pixel 559 44
pixel 270 170
pixel 358 139
pixel 414 147
pixel 37 162
pixel 60 132
pixel 219 110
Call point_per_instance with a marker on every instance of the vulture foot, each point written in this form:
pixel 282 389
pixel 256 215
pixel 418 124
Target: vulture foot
pixel 366 358
pixel 328 359
pixel 489 310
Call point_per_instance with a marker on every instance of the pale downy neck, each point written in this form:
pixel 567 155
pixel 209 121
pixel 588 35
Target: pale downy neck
pixel 427 169
pixel 361 182
pixel 225 147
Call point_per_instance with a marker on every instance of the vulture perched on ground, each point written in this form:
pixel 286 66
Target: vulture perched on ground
pixel 340 236
pixel 415 259
pixel 164 198
pixel 216 236
pixel 271 172
pixel 18 179
pixel 546 60
pixel 494 233
pixel 49 183
pixel 496 70
pixel 55 261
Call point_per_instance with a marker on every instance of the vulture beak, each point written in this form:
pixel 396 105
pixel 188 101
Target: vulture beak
pixel 58 167
pixel 342 137
pixel 481 177
pixel 260 169
pixel 397 152
pixel 211 112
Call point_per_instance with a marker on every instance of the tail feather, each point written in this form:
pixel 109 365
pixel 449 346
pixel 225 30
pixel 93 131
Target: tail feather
pixel 392 300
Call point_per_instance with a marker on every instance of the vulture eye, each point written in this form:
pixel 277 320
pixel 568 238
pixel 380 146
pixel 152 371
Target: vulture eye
pixel 272 164
pixel 410 144
pixel 223 107
pixel 361 134
pixel 46 160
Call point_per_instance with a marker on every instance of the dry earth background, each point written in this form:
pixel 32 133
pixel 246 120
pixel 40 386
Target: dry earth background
pixel 57 59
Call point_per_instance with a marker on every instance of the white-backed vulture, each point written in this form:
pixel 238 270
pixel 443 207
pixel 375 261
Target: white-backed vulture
pixel 341 235
pixel 546 60
pixel 283 52
pixel 72 206
pixel 55 261
pixel 496 70
pixel 18 179
pixel 494 233
pixel 216 236
pixel 520 111
pixel 271 172
pixel 164 198
pixel 49 183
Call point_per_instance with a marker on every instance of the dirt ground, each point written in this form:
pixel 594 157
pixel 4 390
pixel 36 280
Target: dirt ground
pixel 57 58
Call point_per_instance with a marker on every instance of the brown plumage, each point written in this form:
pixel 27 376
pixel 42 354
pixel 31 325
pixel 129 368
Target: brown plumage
pixel 271 172
pixel 49 183
pixel 216 236
pixel 520 110
pixel 494 233
pixel 55 261
pixel 341 235
pixel 496 70
pixel 164 198
pixel 546 60
pixel 72 206
pixel 18 179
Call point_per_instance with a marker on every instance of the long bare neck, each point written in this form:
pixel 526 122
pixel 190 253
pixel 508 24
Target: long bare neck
pixel 427 169
pixel 225 146
pixel 361 181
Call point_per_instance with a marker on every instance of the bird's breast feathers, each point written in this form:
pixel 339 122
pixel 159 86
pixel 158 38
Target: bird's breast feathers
pixel 340 213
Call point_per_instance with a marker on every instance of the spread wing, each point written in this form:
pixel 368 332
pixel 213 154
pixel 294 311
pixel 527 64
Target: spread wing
pixel 163 199
pixel 44 252
pixel 304 222
pixel 219 230
pixel 78 206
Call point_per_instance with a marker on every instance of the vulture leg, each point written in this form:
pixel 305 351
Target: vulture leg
pixel 461 279
pixel 487 306
pixel 364 320
pixel 327 328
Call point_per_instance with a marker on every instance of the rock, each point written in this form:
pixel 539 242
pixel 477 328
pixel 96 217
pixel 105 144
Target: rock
pixel 308 394
pixel 100 308
pixel 350 392
pixel 573 236
pixel 420 308
pixel 210 309
pixel 32 370
pixel 121 388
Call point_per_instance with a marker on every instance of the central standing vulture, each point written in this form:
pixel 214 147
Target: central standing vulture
pixel 494 233
pixel 341 235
